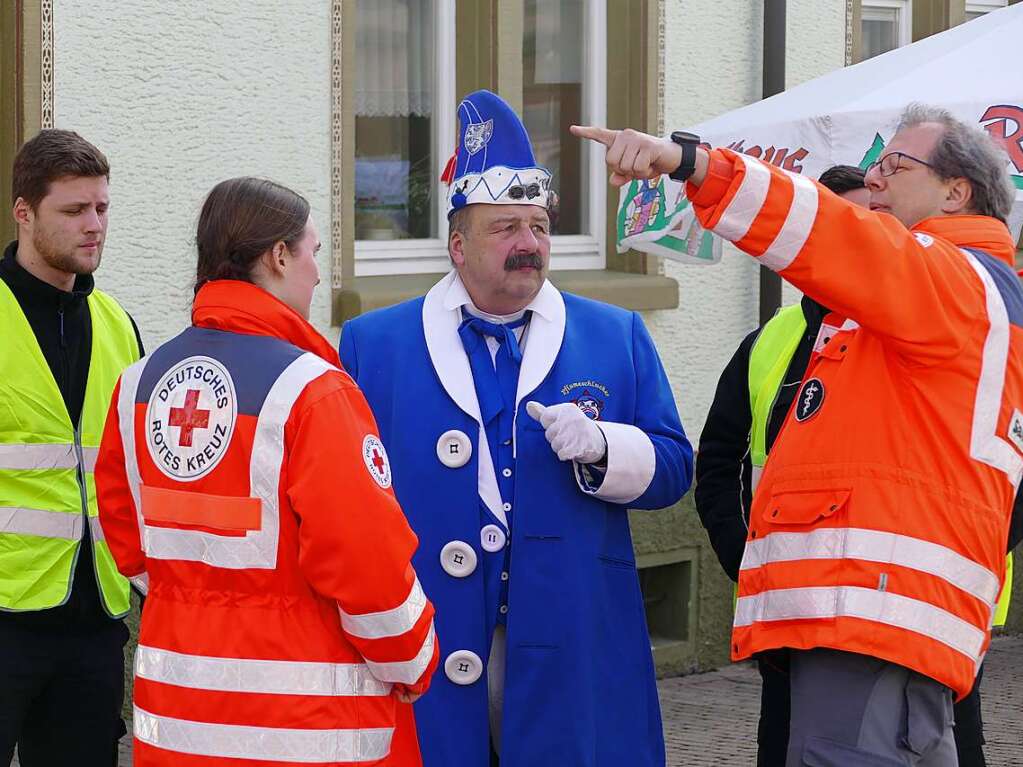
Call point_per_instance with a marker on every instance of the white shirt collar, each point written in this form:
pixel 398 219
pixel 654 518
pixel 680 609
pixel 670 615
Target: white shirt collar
pixel 544 303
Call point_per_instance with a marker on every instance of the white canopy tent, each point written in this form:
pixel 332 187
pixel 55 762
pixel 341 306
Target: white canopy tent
pixel 847 116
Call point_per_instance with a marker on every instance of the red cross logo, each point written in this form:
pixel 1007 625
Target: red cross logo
pixel 378 461
pixel 189 417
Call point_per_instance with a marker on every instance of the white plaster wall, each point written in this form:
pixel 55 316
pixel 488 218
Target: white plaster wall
pixel 182 94
pixel 712 63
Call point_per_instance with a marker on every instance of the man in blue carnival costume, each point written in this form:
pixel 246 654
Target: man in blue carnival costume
pixel 521 423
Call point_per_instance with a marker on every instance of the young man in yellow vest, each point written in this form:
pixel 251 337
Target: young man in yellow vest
pixel 753 397
pixel 64 346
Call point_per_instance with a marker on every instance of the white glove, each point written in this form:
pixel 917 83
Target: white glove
pixel 572 435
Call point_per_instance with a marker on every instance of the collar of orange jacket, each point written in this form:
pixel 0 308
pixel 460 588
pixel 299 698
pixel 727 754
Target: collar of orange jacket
pixel 241 307
pixel 980 232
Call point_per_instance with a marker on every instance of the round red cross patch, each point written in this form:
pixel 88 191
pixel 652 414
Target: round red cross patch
pixel 375 458
pixel 190 418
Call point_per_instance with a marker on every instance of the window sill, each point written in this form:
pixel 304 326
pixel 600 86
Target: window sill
pixel 639 292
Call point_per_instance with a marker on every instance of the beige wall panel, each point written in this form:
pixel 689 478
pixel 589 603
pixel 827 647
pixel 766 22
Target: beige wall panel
pixel 181 95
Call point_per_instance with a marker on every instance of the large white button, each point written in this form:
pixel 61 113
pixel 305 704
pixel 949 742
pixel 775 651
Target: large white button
pixel 506 507
pixel 506 472
pixel 458 559
pixel 463 667
pixel 454 448
pixel 492 538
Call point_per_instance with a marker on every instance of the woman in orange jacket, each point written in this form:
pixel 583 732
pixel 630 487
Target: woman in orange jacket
pixel 241 480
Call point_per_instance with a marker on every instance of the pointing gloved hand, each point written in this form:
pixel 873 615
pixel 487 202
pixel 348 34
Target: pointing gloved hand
pixel 572 435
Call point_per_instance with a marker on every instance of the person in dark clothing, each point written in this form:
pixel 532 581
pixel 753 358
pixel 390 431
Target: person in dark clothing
pixel 65 343
pixel 724 489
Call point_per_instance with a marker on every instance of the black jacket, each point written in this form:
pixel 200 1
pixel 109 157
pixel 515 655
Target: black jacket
pixel 63 328
pixel 723 467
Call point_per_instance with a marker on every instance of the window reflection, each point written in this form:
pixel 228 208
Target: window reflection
pixel 394 99
pixel 552 93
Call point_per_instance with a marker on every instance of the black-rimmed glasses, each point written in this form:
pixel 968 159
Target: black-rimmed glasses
pixel 891 162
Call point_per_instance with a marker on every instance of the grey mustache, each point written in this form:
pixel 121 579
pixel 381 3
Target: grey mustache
pixel 519 260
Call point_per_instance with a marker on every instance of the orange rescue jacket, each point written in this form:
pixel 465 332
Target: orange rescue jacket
pixel 880 522
pixel 241 475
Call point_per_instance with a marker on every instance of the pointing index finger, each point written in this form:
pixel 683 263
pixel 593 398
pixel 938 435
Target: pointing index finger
pixel 604 136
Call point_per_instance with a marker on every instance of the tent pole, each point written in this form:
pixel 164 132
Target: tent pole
pixel 773 82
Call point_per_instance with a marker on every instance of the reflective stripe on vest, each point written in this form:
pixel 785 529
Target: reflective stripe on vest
pixel 272 744
pixel 20 456
pixel 47 483
pixel 256 549
pixel 769 360
pixel 837 543
pixel 263 677
pixel 824 602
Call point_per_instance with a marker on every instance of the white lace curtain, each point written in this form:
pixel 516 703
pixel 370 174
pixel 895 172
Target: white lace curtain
pixel 394 58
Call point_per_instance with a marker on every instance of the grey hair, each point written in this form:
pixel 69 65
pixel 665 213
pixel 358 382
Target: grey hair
pixel 964 151
pixel 460 221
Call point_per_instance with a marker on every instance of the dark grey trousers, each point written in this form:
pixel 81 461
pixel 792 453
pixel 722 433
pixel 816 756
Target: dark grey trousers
pixel 851 710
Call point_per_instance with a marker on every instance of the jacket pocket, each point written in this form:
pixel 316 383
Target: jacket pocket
pixel 821 752
pixel 804 507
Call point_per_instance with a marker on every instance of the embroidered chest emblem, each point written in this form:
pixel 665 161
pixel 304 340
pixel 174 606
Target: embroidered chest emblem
pixel 190 418
pixel 591 406
pixel 589 396
pixel 809 399
pixel 478 136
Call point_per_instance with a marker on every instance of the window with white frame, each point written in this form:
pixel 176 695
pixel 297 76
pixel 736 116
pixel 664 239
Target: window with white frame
pixel 885 26
pixel 405 126
pixel 977 8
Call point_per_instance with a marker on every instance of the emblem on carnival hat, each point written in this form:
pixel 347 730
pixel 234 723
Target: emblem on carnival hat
pixel 506 173
pixel 375 457
pixel 190 418
pixel 477 136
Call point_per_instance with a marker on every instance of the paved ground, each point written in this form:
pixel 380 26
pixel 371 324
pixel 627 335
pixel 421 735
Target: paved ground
pixel 710 719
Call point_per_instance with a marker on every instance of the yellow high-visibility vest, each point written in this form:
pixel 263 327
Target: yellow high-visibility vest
pixel 47 490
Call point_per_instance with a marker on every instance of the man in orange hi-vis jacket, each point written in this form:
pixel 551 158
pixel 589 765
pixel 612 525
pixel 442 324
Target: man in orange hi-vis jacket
pixel 877 535
pixel 241 479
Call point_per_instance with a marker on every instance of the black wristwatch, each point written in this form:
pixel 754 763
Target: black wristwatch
pixel 688 142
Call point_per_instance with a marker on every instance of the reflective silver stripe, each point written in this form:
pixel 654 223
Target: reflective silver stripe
pixel 96 529
pixel 869 604
pixel 406 672
pixel 797 226
pixel 126 423
pixel 744 207
pixel 986 445
pixel 22 456
pixel 388 623
pixel 89 456
pixel 271 744
pixel 272 677
pixel 757 473
pixel 141 582
pixel 18 520
pixel 257 549
pixel 875 546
